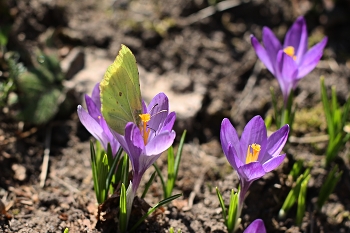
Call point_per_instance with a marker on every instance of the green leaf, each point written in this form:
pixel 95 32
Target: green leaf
pixel 122 212
pixel 148 184
pixel 171 172
pixel 125 171
pixel 112 170
pixel 40 91
pixel 179 155
pixel 151 210
pixel 222 204
pixel 293 195
pixel 94 172
pixel 328 186
pixel 232 212
pixel 160 177
pixel 346 109
pixel 297 166
pixel 327 109
pixel 301 201
pixel 277 113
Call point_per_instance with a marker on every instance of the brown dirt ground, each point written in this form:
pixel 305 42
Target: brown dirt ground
pixel 213 50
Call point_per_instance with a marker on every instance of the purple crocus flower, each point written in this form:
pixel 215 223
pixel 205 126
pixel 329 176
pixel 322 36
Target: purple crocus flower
pixel 292 61
pixel 144 144
pixel 94 122
pixel 254 154
pixel 257 226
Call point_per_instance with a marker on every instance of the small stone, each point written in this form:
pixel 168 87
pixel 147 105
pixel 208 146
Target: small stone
pixel 20 172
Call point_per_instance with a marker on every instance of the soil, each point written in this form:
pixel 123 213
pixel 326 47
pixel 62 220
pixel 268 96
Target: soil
pixel 210 47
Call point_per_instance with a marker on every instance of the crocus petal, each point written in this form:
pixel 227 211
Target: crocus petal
pixel 229 136
pixel 257 226
pixel 311 58
pixel 167 126
pixel 158 109
pixel 273 163
pixel 275 143
pixel 169 121
pixel 233 159
pixel 297 37
pixel 144 107
pixel 135 144
pixel 111 139
pixel 92 126
pixel 251 171
pixel 287 72
pixel 288 68
pixel 105 128
pixel 254 132
pixel 262 54
pixel 92 108
pixel 160 143
pixel 272 45
pixel 121 139
pixel 146 161
pixel 95 96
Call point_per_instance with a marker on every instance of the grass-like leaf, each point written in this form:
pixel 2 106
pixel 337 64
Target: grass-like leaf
pixel 328 186
pixel 151 210
pixel 232 212
pixel 122 212
pixel 293 195
pixel 148 184
pixel 222 205
pixel 301 201
pixel 173 168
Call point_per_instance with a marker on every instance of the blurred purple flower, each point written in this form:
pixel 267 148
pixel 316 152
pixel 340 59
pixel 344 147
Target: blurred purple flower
pixel 257 226
pixel 95 123
pixel 254 154
pixel 292 61
pixel 144 144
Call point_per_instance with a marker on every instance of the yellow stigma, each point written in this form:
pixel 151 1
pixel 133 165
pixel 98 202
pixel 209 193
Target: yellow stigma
pixel 145 117
pixel 290 52
pixel 144 131
pixel 253 153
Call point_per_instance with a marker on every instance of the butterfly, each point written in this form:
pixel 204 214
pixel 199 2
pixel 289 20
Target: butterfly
pixel 120 92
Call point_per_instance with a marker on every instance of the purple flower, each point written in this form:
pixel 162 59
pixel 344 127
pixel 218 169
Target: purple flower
pixel 145 143
pixel 257 226
pixel 254 154
pixel 292 61
pixel 95 123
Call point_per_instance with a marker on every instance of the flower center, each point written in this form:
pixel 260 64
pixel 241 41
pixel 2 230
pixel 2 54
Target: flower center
pixel 252 153
pixel 144 131
pixel 290 52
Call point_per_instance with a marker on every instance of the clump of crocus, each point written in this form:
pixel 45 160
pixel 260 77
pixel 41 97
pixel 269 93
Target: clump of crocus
pixel 94 122
pixel 144 144
pixel 254 154
pixel 257 226
pixel 292 61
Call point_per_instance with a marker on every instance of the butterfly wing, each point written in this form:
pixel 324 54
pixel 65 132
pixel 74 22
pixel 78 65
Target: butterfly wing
pixel 120 92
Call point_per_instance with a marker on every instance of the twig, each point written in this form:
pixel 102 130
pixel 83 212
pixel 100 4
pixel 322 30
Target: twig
pixel 46 158
pixel 196 190
pixel 309 139
pixel 64 183
pixel 5 141
pixel 211 10
pixel 246 96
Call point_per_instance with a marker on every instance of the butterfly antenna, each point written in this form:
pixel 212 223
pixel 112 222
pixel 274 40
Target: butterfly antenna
pixel 159 112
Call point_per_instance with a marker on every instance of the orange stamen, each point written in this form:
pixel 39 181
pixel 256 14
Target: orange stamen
pixel 290 52
pixel 145 132
pixel 253 153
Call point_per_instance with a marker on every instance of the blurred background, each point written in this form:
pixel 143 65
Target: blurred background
pixel 198 52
